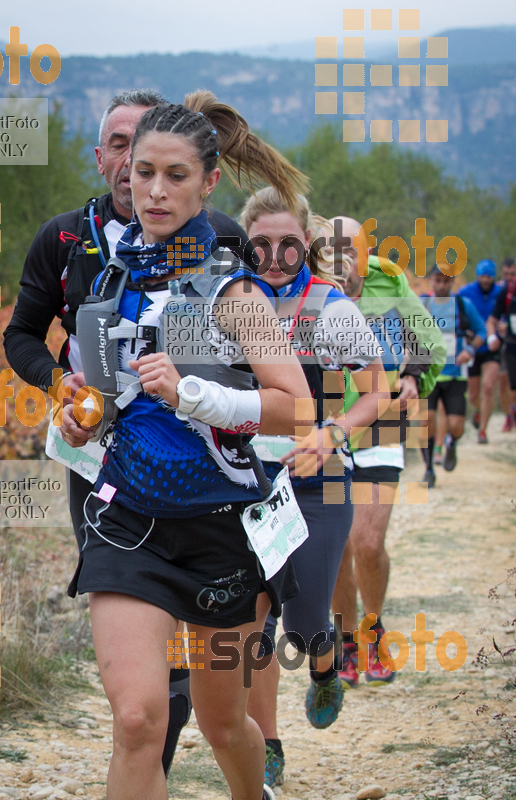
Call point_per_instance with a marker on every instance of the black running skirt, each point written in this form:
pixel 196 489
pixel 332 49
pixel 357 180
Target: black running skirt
pixel 200 569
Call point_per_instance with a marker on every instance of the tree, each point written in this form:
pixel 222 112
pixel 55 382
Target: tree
pixel 397 186
pixel 30 195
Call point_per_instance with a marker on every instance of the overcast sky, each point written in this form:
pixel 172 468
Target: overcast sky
pixel 120 27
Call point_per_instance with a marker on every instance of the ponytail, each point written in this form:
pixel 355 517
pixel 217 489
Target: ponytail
pixel 245 157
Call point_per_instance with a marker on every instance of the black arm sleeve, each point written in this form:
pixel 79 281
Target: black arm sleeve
pixel 24 339
pixel 415 369
pixel 499 306
pixel 40 300
pixel 419 362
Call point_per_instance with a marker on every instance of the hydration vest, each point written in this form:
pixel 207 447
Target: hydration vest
pixel 302 332
pixel 100 326
pixel 89 254
pixel 329 396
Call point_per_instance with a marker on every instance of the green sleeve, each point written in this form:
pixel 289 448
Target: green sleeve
pixel 383 292
pixel 350 395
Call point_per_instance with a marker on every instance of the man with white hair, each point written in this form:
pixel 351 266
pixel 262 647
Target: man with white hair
pixel 397 317
pixel 67 253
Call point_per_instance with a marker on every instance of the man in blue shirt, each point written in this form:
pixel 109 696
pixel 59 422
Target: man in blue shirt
pixel 484 371
pixel 464 332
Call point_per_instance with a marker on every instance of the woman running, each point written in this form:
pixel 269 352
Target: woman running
pixel 329 334
pixel 171 545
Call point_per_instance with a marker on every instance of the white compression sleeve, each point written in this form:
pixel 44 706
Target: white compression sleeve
pixel 227 408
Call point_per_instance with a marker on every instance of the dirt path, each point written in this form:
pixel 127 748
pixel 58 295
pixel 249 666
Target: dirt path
pixel 411 737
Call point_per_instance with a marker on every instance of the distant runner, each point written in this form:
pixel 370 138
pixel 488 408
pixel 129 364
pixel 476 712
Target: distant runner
pixel 505 307
pixel 483 374
pixel 464 332
pixel 414 347
pixel 508 271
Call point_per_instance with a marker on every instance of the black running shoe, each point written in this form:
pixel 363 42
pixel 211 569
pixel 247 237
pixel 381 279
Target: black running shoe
pixel 429 478
pixel 450 457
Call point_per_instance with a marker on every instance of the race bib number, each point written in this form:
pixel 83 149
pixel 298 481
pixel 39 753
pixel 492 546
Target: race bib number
pixel 451 345
pixel 86 460
pixel 272 448
pixel 275 526
pixel 512 323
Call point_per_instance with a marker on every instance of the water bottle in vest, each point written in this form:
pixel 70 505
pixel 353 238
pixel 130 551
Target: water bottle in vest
pixel 180 326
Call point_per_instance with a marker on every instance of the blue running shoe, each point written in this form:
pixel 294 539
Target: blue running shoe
pixel 323 702
pixel 274 766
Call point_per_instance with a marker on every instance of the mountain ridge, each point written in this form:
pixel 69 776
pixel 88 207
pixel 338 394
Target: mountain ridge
pixel 277 97
pixel 487 45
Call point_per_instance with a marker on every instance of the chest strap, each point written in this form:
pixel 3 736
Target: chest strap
pixel 129 386
pixel 132 330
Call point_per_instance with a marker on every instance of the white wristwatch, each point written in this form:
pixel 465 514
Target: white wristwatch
pixel 191 391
